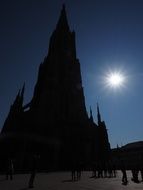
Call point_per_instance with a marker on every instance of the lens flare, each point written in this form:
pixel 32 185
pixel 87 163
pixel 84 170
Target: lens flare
pixel 114 79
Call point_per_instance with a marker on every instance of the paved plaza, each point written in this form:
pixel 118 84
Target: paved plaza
pixel 62 181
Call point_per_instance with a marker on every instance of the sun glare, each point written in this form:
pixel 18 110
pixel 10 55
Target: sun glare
pixel 115 79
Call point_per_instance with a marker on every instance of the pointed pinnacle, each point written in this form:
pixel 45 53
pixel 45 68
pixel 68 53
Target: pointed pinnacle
pixel 23 89
pixel 63 23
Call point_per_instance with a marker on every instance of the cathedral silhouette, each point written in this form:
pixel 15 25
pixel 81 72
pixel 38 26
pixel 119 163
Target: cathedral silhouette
pixel 55 124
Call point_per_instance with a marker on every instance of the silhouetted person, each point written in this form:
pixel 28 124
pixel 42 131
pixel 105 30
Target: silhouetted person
pixel 114 170
pixel 124 176
pixel 94 171
pixel 73 173
pixel 100 170
pixel 79 170
pixel 110 171
pixel 135 172
pixel 9 169
pixel 33 170
pixel 105 169
pixel 76 171
pixel 141 171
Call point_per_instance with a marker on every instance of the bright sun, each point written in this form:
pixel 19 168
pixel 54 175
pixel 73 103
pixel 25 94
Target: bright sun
pixel 115 79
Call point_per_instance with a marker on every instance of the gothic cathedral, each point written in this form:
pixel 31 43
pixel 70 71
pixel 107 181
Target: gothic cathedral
pixel 55 124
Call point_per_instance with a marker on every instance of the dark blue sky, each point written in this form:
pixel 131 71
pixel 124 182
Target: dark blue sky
pixel 109 36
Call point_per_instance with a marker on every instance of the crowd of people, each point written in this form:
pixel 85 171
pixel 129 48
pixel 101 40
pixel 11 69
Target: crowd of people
pixel 99 170
pixel 103 170
pixel 109 170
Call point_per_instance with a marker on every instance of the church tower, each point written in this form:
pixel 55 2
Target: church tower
pixel 55 123
pixel 58 94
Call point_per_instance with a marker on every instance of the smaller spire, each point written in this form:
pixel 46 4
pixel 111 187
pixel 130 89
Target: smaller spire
pixel 23 90
pixel 22 94
pixel 16 104
pixel 98 115
pixel 17 97
pixel 91 116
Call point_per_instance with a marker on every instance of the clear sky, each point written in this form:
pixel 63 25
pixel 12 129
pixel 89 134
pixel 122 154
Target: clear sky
pixel 109 37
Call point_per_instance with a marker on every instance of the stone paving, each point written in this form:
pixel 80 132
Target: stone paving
pixel 62 181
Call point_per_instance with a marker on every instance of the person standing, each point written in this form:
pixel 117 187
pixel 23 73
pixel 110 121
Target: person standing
pixel 124 176
pixel 33 170
pixel 10 169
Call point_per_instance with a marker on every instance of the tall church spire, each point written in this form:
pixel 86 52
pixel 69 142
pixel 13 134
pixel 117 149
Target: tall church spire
pixel 62 22
pixel 98 115
pixel 62 41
